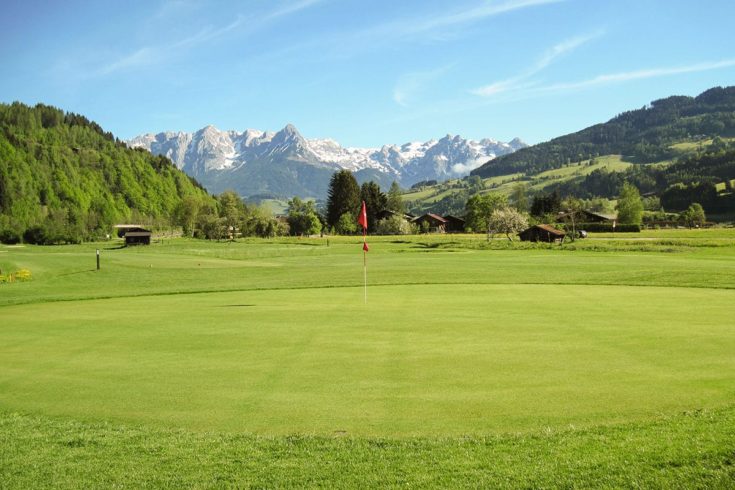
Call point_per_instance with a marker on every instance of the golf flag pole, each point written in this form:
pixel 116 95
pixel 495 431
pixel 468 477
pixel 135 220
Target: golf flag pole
pixel 362 221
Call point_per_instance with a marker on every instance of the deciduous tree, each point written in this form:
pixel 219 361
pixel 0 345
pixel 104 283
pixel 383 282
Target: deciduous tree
pixel 479 208
pixel 630 206
pixel 507 220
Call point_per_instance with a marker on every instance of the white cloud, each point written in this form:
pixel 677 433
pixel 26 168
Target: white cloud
pixel 141 57
pixel 409 84
pixel 149 55
pixel 441 21
pixel 469 166
pixel 549 57
pixel 291 8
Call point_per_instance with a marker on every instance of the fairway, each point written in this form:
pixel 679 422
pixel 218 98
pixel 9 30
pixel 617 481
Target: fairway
pixel 417 359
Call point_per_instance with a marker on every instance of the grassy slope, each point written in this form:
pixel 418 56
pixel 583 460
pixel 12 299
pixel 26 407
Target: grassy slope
pixel 536 183
pixel 166 360
pixel 505 183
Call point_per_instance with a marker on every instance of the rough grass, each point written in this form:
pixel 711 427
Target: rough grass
pixel 689 450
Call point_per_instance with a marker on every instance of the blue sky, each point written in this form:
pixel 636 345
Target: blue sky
pixel 363 72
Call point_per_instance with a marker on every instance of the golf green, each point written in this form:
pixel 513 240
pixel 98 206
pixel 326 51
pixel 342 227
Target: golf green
pixel 429 359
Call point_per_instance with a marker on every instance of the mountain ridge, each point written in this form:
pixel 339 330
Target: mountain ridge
pixel 222 159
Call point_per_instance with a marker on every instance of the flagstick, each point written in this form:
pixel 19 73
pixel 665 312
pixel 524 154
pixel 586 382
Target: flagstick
pixel 364 264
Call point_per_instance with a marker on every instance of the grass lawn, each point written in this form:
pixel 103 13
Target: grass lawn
pixel 605 363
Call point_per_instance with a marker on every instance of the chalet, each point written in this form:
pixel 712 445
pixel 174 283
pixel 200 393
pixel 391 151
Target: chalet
pixel 454 224
pixel 431 222
pixel 542 233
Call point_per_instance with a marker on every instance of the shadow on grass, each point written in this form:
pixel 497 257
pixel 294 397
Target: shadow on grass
pixel 76 272
pixel 234 306
pixel 426 245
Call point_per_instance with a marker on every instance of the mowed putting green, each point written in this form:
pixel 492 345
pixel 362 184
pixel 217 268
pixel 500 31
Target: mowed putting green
pixel 431 359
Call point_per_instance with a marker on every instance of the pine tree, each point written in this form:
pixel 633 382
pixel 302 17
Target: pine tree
pixel 375 202
pixel 343 197
pixel 394 200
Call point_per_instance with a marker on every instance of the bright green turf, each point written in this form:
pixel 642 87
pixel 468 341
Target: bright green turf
pixel 473 363
pixel 420 359
pixel 453 339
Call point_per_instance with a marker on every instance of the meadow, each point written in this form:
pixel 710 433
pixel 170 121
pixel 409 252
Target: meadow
pixel 605 362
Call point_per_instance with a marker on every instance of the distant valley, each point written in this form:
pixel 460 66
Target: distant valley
pixel 283 164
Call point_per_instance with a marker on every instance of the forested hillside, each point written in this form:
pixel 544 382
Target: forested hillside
pixel 641 136
pixel 64 179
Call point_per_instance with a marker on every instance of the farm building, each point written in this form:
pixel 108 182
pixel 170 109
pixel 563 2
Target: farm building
pixel 454 224
pixel 134 234
pixel 121 230
pixel 542 233
pixel 431 223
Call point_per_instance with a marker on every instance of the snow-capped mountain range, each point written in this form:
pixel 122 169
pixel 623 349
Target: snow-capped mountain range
pixel 284 163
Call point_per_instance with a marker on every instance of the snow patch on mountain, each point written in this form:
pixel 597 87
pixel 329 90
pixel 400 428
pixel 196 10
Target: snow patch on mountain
pixel 211 151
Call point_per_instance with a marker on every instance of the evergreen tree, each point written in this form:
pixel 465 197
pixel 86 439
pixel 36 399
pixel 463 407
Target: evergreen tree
pixel 548 204
pixel 394 200
pixel 343 197
pixel 519 197
pixel 375 202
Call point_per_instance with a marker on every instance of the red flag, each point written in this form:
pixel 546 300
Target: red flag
pixel 364 246
pixel 362 220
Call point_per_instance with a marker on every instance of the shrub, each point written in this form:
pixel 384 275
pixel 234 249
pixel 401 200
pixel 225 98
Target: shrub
pixel 35 235
pixel 395 225
pixel 608 228
pixel 9 237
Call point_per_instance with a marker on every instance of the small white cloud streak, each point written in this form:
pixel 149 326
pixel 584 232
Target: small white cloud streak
pixel 471 15
pixel 439 22
pixel 141 57
pixel 411 83
pixel 152 54
pixel 549 57
pixel 291 8
pixel 638 75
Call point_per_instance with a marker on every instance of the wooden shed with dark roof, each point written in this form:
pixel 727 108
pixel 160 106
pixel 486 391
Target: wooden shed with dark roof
pixel 134 235
pixel 542 233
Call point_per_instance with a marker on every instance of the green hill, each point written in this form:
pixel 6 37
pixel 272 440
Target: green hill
pixel 681 149
pixel 68 180
pixel 645 135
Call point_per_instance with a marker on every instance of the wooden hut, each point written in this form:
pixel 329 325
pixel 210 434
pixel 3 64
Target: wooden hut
pixel 542 233
pixel 134 234
pixel 138 237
